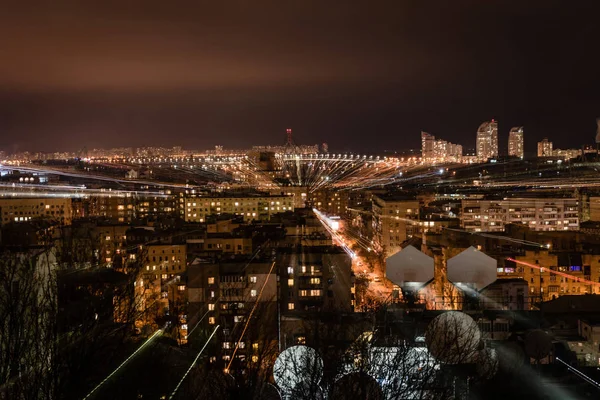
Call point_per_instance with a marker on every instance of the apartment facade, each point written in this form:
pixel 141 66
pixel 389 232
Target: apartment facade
pixel 227 294
pixel 544 148
pixel 539 214
pixel 261 208
pixel 487 140
pixel 550 275
pixel 26 209
pixel 515 142
pixel 395 219
pixel 315 278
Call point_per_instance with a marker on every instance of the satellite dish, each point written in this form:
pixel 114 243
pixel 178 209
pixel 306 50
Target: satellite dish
pixel 538 344
pixel 357 386
pixel 297 365
pixel 487 363
pixel 453 337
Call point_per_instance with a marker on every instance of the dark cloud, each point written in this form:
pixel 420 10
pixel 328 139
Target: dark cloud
pixel 355 74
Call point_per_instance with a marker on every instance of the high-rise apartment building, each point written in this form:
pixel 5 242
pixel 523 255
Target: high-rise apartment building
pixel 427 146
pixel 544 148
pixel 433 149
pixel 487 140
pixel 515 142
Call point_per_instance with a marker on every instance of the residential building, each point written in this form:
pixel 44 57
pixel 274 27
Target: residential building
pixel 115 207
pixel 487 140
pixel 427 146
pixel 315 278
pixel 251 207
pixel 566 154
pixel 544 148
pixel 329 201
pixel 550 275
pixel 25 209
pixel 594 208
pixel 515 142
pixel 164 259
pixel 540 214
pixel 437 150
pixel 227 294
pixel 394 220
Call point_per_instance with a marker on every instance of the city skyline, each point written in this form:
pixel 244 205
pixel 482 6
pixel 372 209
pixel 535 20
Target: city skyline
pixel 299 200
pixel 205 75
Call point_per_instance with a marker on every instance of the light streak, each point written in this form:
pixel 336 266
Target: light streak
pixel 146 343
pixel 193 363
pixel 237 345
pixel 580 374
pixel 326 224
pixel 568 276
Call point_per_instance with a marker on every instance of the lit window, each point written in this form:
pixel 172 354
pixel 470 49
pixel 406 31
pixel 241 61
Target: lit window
pixel 303 269
pixel 254 358
pixel 226 345
pixel 304 293
pixel 290 306
pixel 238 318
pixel 181 288
pixel 290 282
pixel 211 307
pixel 253 293
pixel 315 281
pixel 211 320
pixel 255 346
pixel 252 279
pixel 212 293
pixel 211 280
pixel 315 292
pixel 290 270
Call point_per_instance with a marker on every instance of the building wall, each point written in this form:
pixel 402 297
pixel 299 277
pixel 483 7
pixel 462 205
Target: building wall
pixel 165 259
pixel 227 245
pixel 251 208
pixel 544 148
pixel 329 201
pixel 487 141
pixel 551 214
pixel 515 142
pixel 594 208
pixel 225 294
pixel 545 285
pixel 393 222
pixel 112 239
pixel 315 279
pixel 20 210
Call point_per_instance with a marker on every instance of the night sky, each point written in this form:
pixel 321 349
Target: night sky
pixel 360 75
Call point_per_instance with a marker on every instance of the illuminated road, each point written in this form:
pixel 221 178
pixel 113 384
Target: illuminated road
pixel 378 289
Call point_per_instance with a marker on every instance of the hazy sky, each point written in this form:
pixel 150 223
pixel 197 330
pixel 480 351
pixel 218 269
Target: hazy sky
pixel 360 75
